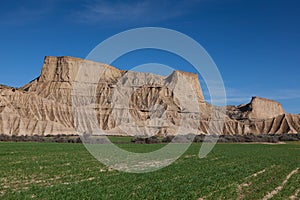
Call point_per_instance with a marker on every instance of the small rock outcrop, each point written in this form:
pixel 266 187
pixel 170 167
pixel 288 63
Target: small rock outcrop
pixel 259 108
pixel 127 103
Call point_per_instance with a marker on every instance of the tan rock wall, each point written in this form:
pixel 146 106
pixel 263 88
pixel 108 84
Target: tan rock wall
pixel 126 102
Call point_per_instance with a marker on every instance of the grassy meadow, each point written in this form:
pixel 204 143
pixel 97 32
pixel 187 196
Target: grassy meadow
pixel 230 171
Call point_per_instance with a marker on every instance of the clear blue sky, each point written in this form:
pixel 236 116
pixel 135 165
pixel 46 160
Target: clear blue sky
pixel 255 44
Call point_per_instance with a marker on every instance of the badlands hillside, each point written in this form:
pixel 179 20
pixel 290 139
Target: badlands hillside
pixel 146 104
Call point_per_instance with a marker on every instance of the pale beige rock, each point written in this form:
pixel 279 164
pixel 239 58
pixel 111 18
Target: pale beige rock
pixel 261 108
pixel 126 103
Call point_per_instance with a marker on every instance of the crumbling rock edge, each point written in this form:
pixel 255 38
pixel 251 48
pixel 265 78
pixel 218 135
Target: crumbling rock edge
pixel 157 104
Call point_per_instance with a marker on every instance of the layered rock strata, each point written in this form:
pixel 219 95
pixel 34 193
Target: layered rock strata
pixel 127 103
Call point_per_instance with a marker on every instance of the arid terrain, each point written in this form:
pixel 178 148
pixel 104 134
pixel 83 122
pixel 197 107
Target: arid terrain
pixel 46 105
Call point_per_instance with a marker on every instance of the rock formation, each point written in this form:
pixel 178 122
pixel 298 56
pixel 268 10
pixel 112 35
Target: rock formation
pixel 126 103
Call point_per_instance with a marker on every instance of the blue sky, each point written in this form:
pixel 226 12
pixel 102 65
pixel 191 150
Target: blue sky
pixel 255 44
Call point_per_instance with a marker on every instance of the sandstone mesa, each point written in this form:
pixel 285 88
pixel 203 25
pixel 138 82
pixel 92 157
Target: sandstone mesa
pixel 148 104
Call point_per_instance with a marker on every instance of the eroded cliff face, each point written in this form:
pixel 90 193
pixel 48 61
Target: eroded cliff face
pixel 26 113
pixel 126 103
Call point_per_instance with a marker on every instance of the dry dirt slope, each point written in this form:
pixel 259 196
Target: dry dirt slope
pixel 147 104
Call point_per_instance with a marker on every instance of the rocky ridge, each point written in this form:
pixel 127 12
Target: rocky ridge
pixel 127 103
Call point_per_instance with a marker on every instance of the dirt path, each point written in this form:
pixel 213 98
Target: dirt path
pixel 279 188
pixel 295 196
pixel 247 184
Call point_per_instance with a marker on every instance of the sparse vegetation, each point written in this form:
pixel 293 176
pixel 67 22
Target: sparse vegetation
pixel 269 138
pixel 68 171
pixel 38 138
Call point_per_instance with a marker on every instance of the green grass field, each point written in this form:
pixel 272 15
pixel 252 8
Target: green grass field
pixel 230 171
